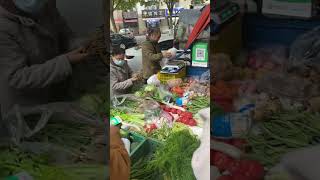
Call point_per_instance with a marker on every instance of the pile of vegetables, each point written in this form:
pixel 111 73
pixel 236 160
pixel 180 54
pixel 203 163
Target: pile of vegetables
pixel 134 119
pixel 14 161
pixel 163 133
pixel 143 170
pixel 198 103
pixel 173 159
pixel 282 133
pixel 184 117
pixel 229 161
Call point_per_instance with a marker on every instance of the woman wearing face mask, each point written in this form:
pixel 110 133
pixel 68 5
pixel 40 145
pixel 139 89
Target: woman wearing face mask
pixel 121 75
pixel 151 53
pixel 35 62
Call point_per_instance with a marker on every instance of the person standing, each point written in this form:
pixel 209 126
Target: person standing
pixel 151 53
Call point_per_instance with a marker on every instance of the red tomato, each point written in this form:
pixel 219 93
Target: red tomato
pixel 179 111
pixel 184 120
pixel 192 122
pixel 174 111
pixel 233 167
pixel 188 114
pixel 225 177
pixel 222 161
pixel 251 168
pixel 167 109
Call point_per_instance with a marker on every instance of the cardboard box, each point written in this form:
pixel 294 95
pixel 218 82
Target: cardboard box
pixel 295 8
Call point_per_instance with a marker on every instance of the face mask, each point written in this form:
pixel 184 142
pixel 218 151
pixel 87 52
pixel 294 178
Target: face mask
pixel 30 6
pixel 119 62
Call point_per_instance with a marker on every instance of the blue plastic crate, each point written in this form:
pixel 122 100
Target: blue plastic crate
pixel 261 31
pixel 196 71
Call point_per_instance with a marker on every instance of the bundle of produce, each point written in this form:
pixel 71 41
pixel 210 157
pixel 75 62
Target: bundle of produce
pixel 14 161
pixel 97 101
pixel 75 137
pixel 282 133
pixel 133 119
pixel 142 170
pixel 163 133
pixel 198 103
pixel 228 159
pixel 173 158
pixel 183 117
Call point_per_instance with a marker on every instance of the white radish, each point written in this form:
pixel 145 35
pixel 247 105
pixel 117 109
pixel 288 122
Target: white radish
pixel 228 149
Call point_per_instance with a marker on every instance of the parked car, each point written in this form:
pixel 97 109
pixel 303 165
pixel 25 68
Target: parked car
pixel 126 32
pixel 127 42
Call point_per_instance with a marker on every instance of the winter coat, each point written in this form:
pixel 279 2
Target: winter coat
pixel 119 158
pixel 31 64
pixel 120 82
pixel 151 58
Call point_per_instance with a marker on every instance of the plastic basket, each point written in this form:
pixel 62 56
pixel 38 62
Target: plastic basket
pixel 166 77
pixel 139 139
pixel 147 148
pixel 196 71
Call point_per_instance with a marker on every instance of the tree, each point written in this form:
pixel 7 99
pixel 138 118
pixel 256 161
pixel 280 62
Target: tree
pixel 170 5
pixel 123 5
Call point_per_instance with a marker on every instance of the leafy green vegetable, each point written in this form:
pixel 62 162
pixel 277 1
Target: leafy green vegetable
pixel 150 88
pixel 282 133
pixel 14 161
pixel 198 103
pixel 174 158
pixel 142 170
pixel 163 133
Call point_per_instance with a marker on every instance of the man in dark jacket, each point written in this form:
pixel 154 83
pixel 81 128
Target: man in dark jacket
pixel 151 53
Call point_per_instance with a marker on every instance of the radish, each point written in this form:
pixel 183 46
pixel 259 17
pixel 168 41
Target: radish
pixel 226 148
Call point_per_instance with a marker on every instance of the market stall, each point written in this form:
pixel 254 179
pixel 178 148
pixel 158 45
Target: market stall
pixel 160 122
pixel 264 95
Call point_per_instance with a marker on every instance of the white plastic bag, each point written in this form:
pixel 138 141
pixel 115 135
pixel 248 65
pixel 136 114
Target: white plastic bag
pixel 153 80
pixel 201 157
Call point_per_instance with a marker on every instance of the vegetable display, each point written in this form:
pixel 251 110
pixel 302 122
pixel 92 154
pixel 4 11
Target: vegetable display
pixel 173 159
pixel 198 103
pixel 282 133
pixel 184 117
pixel 14 161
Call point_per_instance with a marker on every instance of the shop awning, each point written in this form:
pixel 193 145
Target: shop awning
pixel 200 25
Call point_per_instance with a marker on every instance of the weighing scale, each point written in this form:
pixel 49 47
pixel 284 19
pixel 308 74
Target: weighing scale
pixel 173 67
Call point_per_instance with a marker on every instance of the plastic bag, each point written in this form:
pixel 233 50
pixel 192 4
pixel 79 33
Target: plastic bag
pixel 153 80
pixel 271 58
pixel 284 85
pixel 22 125
pixel 305 52
pixel 151 109
pixel 201 157
pixel 205 77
